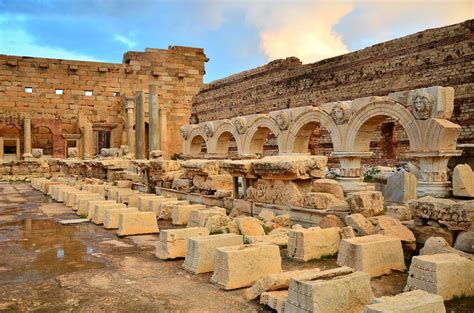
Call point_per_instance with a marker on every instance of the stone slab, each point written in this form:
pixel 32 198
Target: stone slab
pixel 174 242
pixel 180 213
pixel 330 291
pixel 137 223
pixel 447 274
pixel 241 266
pixel 99 211
pixel 313 243
pixel 416 301
pixel 112 217
pixel 201 251
pixel 374 254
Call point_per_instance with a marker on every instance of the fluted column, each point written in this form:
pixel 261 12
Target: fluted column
pixel 27 138
pixel 139 126
pixel 129 107
pixel 154 117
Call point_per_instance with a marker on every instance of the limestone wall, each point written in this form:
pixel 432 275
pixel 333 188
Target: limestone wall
pixel 177 71
pixel 441 56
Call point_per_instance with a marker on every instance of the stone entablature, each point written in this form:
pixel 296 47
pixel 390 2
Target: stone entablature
pixel 432 137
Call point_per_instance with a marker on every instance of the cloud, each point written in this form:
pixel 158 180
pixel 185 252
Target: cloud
pixel 301 29
pixel 376 21
pixel 126 41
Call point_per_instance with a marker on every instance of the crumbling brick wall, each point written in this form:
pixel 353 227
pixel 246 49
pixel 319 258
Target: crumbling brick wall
pixel 441 56
pixel 178 72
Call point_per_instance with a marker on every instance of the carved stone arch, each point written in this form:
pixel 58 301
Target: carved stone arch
pixel 364 122
pixel 223 134
pixel 301 128
pixel 194 141
pixel 256 134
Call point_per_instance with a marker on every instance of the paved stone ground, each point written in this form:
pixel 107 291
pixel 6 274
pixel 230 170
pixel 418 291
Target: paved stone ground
pixel 49 267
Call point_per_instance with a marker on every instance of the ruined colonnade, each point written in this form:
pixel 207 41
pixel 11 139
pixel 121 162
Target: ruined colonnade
pixel 423 113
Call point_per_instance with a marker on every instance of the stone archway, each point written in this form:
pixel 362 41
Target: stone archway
pixel 301 130
pixel 365 121
pixel 225 140
pixel 257 134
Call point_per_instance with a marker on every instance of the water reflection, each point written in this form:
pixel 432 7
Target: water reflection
pixel 46 249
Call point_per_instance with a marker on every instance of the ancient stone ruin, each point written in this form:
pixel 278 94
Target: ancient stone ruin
pixel 228 180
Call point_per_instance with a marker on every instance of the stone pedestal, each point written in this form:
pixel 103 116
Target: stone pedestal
pixel 27 138
pixel 351 180
pixel 139 126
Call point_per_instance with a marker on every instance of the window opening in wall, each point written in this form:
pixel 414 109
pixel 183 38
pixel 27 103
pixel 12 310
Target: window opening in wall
pixel 9 146
pixel 116 94
pixel 28 89
pixel 88 93
pixel 59 91
pixel 101 140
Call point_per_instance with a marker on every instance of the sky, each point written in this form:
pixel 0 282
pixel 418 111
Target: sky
pixel 236 34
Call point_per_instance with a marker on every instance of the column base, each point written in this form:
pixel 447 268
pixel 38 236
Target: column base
pixel 354 184
pixel 435 189
pixel 27 156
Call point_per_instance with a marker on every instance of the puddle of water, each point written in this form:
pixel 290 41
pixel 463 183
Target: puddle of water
pixel 44 250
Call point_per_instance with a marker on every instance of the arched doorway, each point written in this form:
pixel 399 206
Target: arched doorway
pixel 42 137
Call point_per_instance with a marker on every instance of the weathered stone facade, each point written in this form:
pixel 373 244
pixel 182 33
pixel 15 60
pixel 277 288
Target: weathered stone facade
pixel 61 104
pixel 440 56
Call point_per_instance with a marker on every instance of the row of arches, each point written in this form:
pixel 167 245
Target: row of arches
pixel 355 136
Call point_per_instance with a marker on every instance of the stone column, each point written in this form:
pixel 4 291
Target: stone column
pixel 433 177
pixel 154 116
pixel 350 178
pixel 164 132
pixel 129 107
pixel 139 126
pixel 87 141
pixel 27 138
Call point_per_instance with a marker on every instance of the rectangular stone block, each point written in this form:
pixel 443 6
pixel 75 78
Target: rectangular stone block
pixel 446 274
pixel 401 187
pixel 281 281
pixel 165 209
pixel 275 299
pixel 201 251
pixel 137 223
pixel 330 291
pixel 198 218
pixel 154 204
pixel 143 201
pixel 174 242
pixel 99 211
pixel 82 203
pixel 416 301
pixel 123 195
pixel 374 254
pixel 180 213
pixel 241 266
pixel 86 195
pixel 70 197
pixel 313 243
pixel 112 217
pixel 90 208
